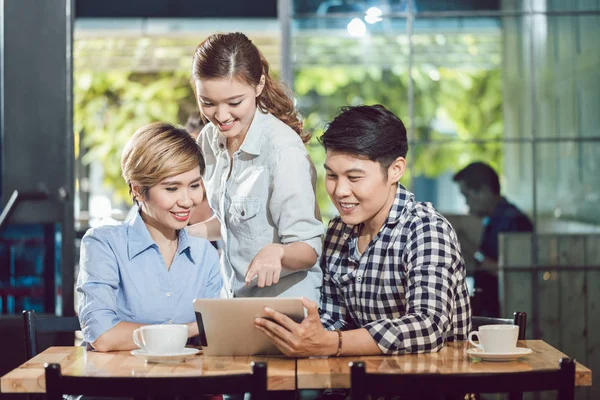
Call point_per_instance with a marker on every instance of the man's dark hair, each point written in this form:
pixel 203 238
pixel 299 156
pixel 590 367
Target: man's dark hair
pixel 371 132
pixel 478 174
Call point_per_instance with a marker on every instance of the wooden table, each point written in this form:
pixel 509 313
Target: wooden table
pixel 334 373
pixel 311 373
pixel 75 360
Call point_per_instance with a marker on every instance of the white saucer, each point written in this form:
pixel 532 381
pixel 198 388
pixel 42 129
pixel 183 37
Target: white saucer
pixel 168 358
pixel 513 355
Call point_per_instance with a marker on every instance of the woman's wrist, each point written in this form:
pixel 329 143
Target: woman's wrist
pixel 192 329
pixel 281 249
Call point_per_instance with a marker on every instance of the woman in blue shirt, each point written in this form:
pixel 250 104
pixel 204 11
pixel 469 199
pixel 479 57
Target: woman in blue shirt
pixel 148 270
pixel 260 180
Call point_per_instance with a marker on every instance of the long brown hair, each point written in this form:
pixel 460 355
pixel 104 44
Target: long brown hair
pixel 231 55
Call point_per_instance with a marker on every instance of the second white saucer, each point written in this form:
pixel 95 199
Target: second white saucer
pixel 510 356
pixel 168 358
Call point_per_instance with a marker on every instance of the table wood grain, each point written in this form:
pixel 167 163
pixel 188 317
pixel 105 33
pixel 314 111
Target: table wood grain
pixel 77 361
pixel 311 373
pixel 334 373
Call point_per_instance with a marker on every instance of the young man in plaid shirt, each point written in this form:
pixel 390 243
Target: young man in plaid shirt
pixel 394 277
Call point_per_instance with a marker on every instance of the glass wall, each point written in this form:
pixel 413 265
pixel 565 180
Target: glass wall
pixel 500 77
pixel 511 83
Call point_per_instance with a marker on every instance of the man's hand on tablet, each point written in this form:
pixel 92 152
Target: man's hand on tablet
pixel 305 339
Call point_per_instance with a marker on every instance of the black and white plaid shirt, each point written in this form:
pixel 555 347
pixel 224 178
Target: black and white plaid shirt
pixel 407 289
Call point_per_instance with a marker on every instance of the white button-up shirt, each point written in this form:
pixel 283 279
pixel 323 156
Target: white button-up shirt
pixel 269 197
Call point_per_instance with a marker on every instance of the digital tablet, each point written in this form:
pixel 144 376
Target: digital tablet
pixel 227 328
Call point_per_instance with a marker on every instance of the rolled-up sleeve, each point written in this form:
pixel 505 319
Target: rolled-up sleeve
pixel 293 204
pixel 432 259
pixel 97 287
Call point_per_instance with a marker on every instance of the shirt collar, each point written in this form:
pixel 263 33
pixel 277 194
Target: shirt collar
pixel 139 238
pixel 184 244
pixel 403 197
pixel 253 139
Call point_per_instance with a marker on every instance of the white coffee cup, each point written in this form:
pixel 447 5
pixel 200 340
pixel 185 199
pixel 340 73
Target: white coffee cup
pixel 496 338
pixel 161 339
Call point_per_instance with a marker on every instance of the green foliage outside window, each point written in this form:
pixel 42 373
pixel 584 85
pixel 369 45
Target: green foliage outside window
pixel 110 106
pixel 472 100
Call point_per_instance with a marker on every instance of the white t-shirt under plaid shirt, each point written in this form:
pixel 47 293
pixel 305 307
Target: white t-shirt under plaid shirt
pixel 407 288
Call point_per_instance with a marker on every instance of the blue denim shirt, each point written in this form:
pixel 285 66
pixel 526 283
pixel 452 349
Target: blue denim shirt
pixel 123 277
pixel 267 197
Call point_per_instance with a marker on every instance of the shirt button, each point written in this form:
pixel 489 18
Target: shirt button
pixel 358 314
pixel 221 146
pixel 169 294
pixel 170 321
pixel 359 279
pixel 345 236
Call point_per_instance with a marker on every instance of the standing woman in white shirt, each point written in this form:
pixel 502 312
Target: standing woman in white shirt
pixel 260 180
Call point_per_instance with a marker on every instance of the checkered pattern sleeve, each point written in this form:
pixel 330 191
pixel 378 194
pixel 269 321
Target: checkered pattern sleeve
pixel 333 308
pixel 431 262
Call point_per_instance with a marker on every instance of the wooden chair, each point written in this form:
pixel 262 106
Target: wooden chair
pixel 58 384
pixel 442 386
pixel 52 324
pixel 520 319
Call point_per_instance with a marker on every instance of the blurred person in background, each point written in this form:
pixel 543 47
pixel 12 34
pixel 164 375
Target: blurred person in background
pixel 194 124
pixel 480 186
pixel 260 180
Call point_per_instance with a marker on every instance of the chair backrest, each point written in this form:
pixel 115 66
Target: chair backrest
pixel 431 385
pixel 47 324
pixel 520 319
pixel 58 384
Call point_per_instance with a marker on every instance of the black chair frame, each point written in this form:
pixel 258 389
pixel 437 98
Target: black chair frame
pixel 440 386
pixel 58 384
pixel 520 319
pixel 34 325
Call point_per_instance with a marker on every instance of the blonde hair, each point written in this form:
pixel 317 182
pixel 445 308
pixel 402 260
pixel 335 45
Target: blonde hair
pixel 158 151
pixel 234 55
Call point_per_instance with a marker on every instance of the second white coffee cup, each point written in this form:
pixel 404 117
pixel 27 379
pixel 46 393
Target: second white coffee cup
pixel 496 338
pixel 161 339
